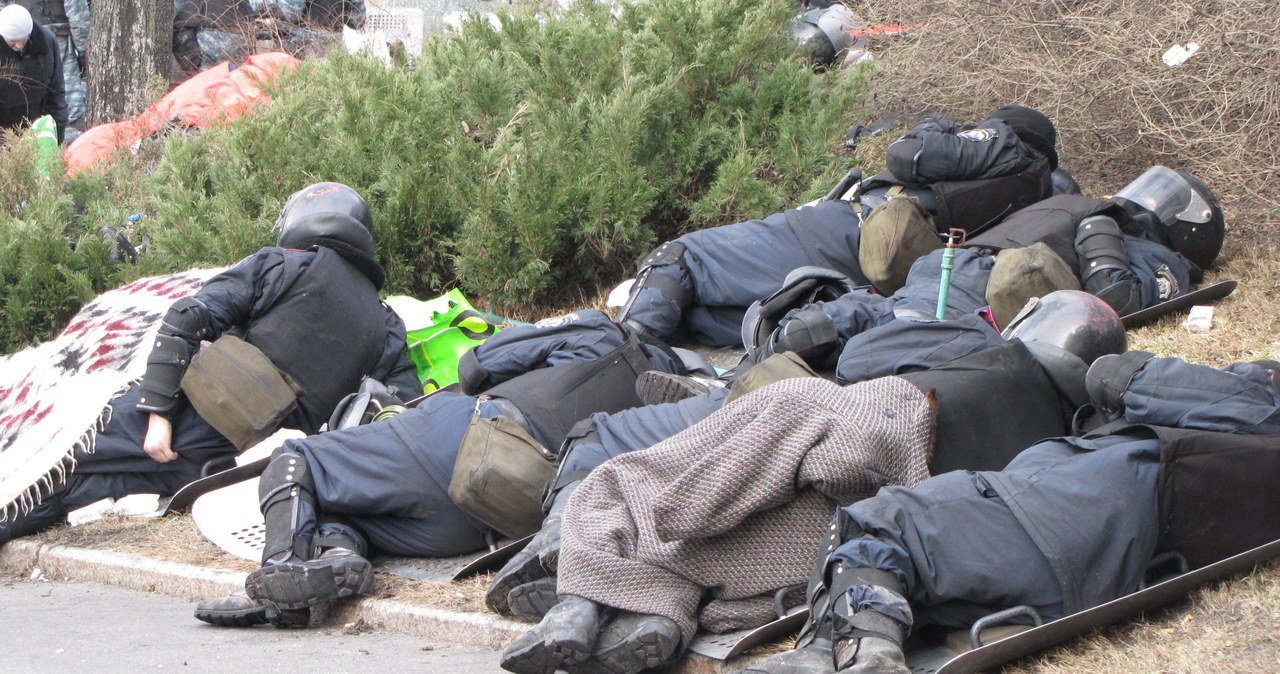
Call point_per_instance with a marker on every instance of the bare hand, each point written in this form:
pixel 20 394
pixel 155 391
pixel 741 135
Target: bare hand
pixel 158 440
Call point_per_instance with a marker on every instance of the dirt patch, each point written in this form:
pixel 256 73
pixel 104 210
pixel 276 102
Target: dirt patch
pixel 174 539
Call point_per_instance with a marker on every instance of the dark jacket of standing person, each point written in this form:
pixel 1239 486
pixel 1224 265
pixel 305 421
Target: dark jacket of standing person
pixel 31 77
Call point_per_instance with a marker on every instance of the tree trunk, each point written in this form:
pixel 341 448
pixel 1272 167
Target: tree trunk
pixel 130 42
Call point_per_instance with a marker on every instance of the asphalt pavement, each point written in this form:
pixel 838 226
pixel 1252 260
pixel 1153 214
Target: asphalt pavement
pixel 71 627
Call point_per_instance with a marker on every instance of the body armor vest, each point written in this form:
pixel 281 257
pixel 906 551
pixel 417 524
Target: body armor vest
pixel 975 428
pixel 975 205
pixel 1217 491
pixel 1052 222
pixel 326 332
pixel 553 399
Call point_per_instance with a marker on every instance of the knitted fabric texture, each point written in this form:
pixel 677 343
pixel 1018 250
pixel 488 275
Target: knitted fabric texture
pixel 733 508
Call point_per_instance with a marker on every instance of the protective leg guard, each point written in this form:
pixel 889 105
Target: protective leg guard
pixel 1109 376
pixel 340 571
pixel 630 643
pixel 870 618
pixel 1104 266
pixel 808 333
pixel 286 493
pixel 1100 245
pixel 527 565
pixel 660 295
pixel 565 637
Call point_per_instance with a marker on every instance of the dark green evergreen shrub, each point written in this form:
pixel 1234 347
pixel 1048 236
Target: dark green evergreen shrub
pixel 528 163
pixel 520 161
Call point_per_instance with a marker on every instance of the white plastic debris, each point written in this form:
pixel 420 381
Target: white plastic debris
pixel 619 295
pixel 1178 54
pixel 94 511
pixel 138 505
pixel 1200 319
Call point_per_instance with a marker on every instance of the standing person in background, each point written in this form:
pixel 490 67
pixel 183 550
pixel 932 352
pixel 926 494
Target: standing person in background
pixel 69 22
pixel 30 72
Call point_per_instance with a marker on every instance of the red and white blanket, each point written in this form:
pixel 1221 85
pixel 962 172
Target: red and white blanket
pixel 54 396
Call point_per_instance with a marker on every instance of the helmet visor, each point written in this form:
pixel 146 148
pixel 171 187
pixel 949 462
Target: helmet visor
pixel 1166 193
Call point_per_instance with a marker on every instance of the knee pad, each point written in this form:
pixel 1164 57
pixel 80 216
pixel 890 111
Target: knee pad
pixel 668 254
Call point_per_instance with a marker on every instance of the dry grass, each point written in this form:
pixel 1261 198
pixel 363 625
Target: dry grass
pixel 1094 67
pixel 1232 626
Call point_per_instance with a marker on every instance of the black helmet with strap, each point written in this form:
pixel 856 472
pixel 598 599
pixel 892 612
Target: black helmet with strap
pixel 1189 219
pixel 325 212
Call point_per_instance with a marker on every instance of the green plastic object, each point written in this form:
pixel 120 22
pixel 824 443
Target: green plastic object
pixel 440 331
pixel 45 132
pixel 944 283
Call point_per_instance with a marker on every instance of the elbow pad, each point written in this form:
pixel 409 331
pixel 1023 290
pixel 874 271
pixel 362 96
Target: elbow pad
pixel 168 361
pixel 188 318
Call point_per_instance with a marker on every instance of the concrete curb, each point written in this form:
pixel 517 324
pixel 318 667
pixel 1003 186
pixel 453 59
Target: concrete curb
pixel 191 583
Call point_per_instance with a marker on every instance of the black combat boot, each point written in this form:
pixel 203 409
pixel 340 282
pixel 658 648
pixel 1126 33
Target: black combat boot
pixel 536 561
pixel 238 610
pixel 630 643
pixel 337 573
pixel 812 658
pixel 656 387
pixel 565 637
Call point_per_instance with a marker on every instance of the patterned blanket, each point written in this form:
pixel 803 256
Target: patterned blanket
pixel 54 397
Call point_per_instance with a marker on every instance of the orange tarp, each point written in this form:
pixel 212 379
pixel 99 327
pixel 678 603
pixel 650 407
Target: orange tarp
pixel 219 93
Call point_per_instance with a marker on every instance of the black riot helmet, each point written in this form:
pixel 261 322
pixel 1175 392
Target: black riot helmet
pixel 823 34
pixel 325 211
pixel 1072 320
pixel 1190 219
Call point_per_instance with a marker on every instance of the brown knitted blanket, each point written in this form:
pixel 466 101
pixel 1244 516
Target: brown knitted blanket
pixel 733 507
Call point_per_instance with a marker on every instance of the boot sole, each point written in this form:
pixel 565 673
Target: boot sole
pixel 531 601
pixel 242 618
pixel 527 571
pixel 537 658
pixel 655 388
pixel 302 585
pixel 649 648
